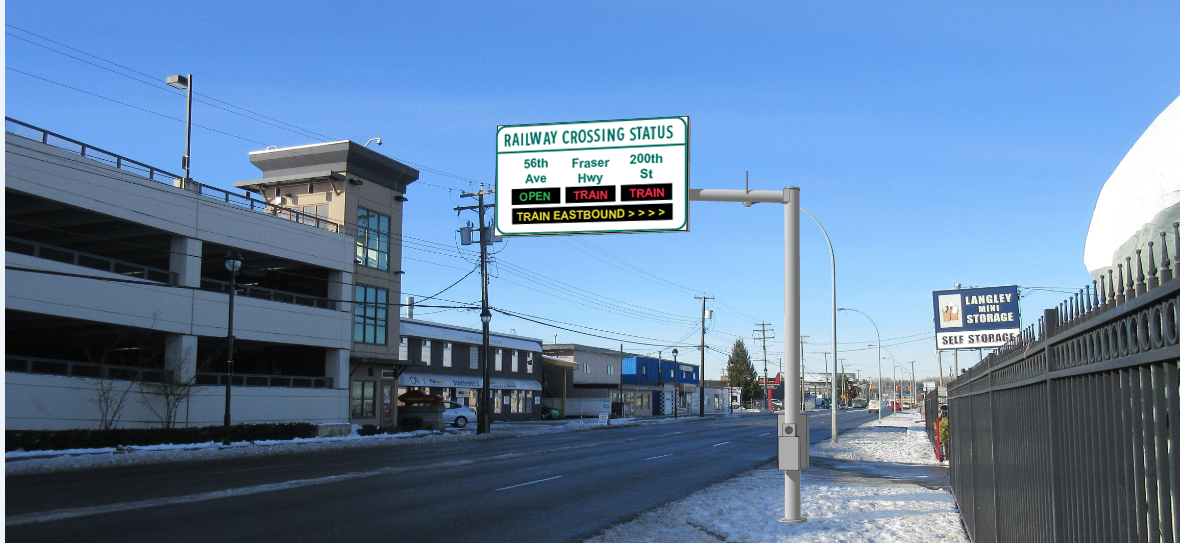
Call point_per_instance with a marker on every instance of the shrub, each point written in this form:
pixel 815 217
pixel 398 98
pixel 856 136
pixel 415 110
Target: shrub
pixel 368 430
pixel 46 440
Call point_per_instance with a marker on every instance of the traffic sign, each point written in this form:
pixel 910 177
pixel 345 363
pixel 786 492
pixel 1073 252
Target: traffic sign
pixel 595 177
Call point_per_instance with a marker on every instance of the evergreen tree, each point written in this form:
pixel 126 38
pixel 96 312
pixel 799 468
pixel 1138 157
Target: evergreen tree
pixel 741 373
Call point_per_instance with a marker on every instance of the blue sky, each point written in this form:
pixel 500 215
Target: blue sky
pixel 938 143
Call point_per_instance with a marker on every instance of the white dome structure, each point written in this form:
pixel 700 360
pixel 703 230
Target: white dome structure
pixel 1140 199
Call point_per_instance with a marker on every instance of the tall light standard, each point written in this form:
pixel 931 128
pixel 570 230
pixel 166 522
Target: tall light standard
pixel 835 355
pixel 233 263
pixel 485 414
pixel 880 378
pixel 185 83
pixel 675 386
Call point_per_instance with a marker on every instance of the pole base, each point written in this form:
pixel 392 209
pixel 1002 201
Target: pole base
pixel 792 521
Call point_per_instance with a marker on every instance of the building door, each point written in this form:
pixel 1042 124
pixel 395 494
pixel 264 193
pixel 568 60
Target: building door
pixel 388 402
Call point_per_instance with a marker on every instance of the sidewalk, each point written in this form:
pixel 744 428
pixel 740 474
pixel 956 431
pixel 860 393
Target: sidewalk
pixel 880 483
pixel 31 462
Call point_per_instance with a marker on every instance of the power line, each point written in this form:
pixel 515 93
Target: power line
pixel 131 106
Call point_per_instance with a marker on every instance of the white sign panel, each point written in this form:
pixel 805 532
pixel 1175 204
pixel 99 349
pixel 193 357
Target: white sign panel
pixel 596 177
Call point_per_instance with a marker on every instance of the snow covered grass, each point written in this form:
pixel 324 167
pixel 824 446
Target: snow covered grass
pixel 840 506
pixel 30 462
pixel 898 438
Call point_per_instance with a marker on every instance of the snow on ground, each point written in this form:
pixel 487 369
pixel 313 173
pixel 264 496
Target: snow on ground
pixel 29 462
pixel 840 506
pixel 898 438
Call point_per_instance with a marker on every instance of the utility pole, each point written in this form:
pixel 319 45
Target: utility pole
pixel 826 353
pixel 484 415
pixel 762 330
pixel 844 387
pixel 703 298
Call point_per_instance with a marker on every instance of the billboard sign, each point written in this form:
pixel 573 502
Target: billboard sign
pixel 596 177
pixel 976 318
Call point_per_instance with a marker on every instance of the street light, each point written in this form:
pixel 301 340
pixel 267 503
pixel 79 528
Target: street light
pixel 485 414
pixel 185 83
pixel 676 386
pixel 835 355
pixel 233 263
pixel 880 379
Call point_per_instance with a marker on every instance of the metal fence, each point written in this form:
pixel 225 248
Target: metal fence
pixel 245 199
pixel 87 260
pixel 1070 434
pixel 46 366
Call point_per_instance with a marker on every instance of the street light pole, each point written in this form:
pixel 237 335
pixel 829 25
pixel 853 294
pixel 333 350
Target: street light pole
pixel 880 375
pixel 233 262
pixel 675 386
pixel 835 353
pixel 484 415
pixel 182 82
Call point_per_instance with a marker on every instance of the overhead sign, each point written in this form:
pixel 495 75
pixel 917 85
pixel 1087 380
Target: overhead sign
pixel 596 177
pixel 976 318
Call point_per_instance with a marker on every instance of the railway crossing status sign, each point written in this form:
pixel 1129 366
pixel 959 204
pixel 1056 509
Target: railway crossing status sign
pixel 974 318
pixel 596 177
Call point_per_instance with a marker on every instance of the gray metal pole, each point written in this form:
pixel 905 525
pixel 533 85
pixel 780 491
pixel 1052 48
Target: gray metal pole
pixel 880 374
pixel 835 353
pixel 789 197
pixel 791 346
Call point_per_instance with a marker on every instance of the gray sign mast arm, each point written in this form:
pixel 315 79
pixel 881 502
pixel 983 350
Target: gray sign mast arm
pixel 789 197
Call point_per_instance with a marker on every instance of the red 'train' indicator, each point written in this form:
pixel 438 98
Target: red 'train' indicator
pixel 654 191
pixel 578 195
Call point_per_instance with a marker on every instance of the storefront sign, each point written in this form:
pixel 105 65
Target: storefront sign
pixel 459 381
pixel 976 318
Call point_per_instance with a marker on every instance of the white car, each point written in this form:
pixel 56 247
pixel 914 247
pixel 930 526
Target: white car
pixel 457 414
pixel 874 406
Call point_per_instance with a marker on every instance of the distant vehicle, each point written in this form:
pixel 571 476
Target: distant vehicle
pixel 874 406
pixel 776 405
pixel 894 405
pixel 907 404
pixel 859 403
pixel 457 414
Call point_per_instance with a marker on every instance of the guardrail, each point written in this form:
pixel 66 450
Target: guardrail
pixel 268 294
pixel 246 199
pixel 248 380
pixel 87 260
pixel 1072 433
pixel 65 368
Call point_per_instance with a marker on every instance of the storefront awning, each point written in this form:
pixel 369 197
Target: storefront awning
pixel 558 362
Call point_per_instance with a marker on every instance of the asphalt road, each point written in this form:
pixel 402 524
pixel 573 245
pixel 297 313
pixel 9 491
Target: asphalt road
pixel 557 487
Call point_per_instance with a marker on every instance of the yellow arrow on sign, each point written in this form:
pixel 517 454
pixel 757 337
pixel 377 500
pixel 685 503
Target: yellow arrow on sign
pixel 661 212
pixel 630 213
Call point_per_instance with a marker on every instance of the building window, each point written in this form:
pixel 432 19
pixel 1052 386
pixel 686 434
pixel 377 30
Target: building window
pixel 426 352
pixel 369 315
pixel 610 369
pixel 364 396
pixel 532 358
pixel 515 361
pixel 474 360
pixel 447 354
pixel 403 349
pixel 496 400
pixel 499 359
pixel 372 239
pixel 585 367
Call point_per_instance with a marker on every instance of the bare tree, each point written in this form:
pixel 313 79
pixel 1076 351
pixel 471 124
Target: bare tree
pixel 164 398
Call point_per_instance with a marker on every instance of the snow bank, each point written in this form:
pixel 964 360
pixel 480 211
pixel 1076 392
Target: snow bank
pixel 29 462
pixel 839 506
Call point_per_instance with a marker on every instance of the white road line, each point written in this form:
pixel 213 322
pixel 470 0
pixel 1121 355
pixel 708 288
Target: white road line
pixel 766 434
pixel 655 457
pixel 61 514
pixel 722 443
pixel 255 469
pixel 529 483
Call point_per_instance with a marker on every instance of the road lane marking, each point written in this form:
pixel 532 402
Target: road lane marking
pixel 660 456
pixel 722 443
pixel 529 483
pixel 255 469
pixel 61 514
pixel 766 434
